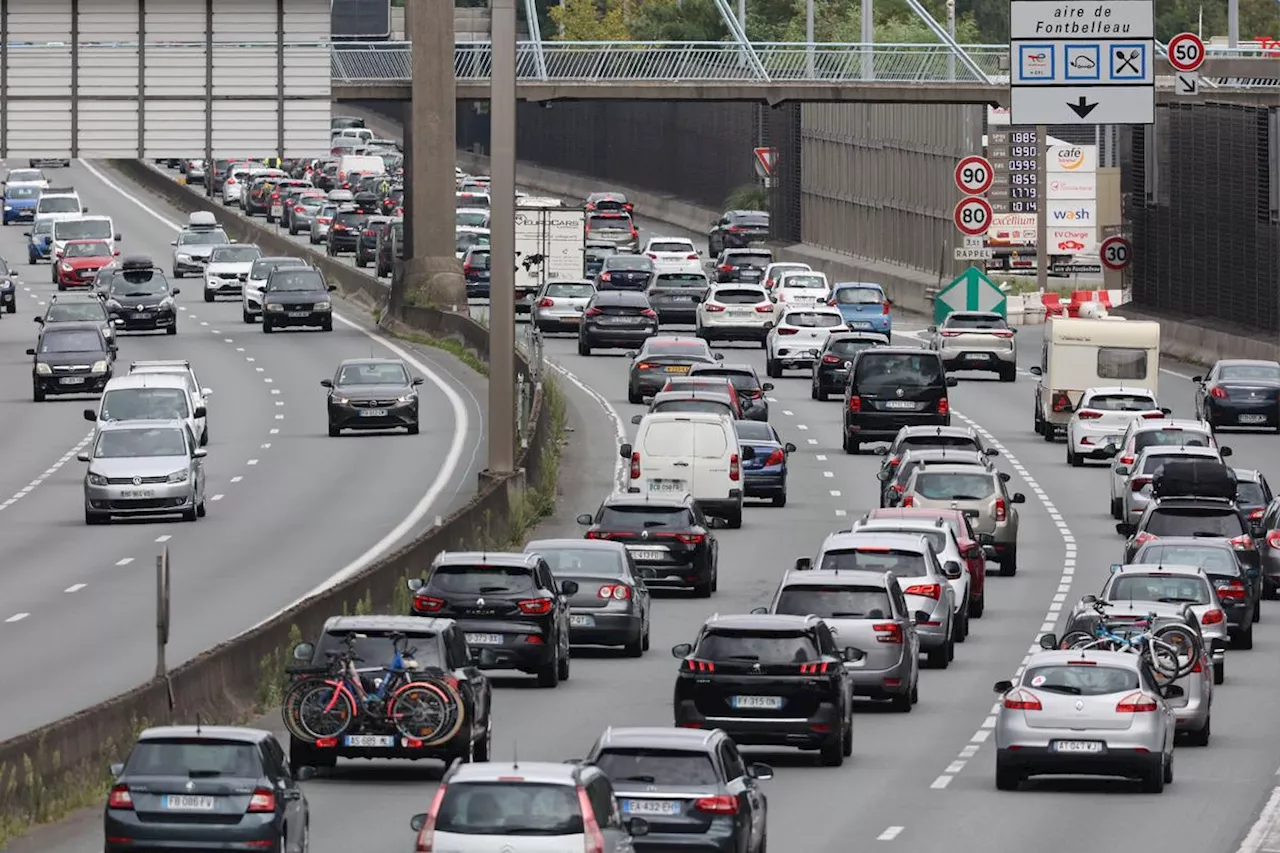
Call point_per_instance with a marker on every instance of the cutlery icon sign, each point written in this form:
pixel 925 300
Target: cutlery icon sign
pixel 1127 62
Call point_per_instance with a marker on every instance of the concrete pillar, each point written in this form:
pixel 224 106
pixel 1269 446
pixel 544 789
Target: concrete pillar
pixel 1110 220
pixel 432 275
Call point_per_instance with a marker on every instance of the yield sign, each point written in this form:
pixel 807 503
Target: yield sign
pixel 766 158
pixel 971 291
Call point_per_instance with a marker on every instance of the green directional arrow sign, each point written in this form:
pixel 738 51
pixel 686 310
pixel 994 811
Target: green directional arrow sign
pixel 971 291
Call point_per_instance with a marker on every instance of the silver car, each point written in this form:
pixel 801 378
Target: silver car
pixel 1137 494
pixel 1141 434
pixel 976 340
pixel 1092 713
pixel 558 306
pixel 1102 418
pixel 141 469
pixel 983 497
pixel 867 610
pixel 911 559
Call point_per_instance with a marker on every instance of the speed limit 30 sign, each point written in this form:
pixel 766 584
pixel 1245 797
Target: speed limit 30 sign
pixel 1116 253
pixel 974 175
pixel 1186 52
pixel 973 216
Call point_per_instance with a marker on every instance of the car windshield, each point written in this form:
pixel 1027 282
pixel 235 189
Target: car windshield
pixel 509 808
pixel 82 229
pixel 567 291
pixel 22 192
pixel 813 320
pixel 835 602
pixel 859 296
pixel 145 404
pixel 1247 372
pixel 605 223
pixel 629 262
pixel 937 538
pixel 350 218
pixel 194 759
pixel 759 260
pixel 59 204
pixel 977 322
pixel 1170 437
pixel 1251 494
pixel 851 346
pixel 898 370
pixel 762 646
pixel 70 312
pixel 296 282
pixel 921 442
pixel 672 246
pixel 754 431
pixel 87 250
pixel 235 255
pixel 875 558
pixel 482 580
pixel 1121 403
pixel 376 650
pixel 466 239
pixel 715 407
pixel 1081 680
pixel 208 237
pixel 595 562
pixel 804 281
pixel 136 443
pixel 740 381
pixel 1151 462
pixel 681 279
pixel 262 268
pixel 657 767
pixel 373 373
pixel 640 517
pixel 20 176
pixel 42 228
pixel 1212 559
pixel 750 220
pixel 945 486
pixel 139 283
pixel 692 349
pixel 77 340
pixel 473 219
pixel 739 297
pixel 1170 588
pixel 1177 521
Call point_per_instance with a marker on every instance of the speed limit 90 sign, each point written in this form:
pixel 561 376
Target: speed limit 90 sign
pixel 973 175
pixel 973 216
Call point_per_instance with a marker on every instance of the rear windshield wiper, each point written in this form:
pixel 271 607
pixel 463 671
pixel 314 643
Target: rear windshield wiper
pixel 495 589
pixel 744 657
pixel 203 774
pixel 1173 599
pixel 642 778
pixel 1061 688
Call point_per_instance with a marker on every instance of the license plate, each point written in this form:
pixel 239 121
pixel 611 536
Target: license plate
pixel 138 493
pixel 667 486
pixel 750 274
pixel 581 621
pixel 1253 419
pixel 484 639
pixel 617 321
pixel 977 356
pixel 677 368
pixel 187 803
pixel 899 404
pixel 382 741
pixel 769 703
pixel 662 808
pixel 682 299
pixel 648 555
pixel 142 315
pixel 1078 746
pixel 277 209
pixel 299 313
pixel 859 324
pixel 373 413
pixel 72 380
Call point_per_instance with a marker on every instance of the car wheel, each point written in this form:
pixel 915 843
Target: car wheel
pixel 644 642
pixel 548 674
pixel 846 742
pixel 327 326
pixel 190 514
pixel 1153 779
pixel 902 702
pixel 172 330
pixel 334 431
pixel 208 296
pixel 177 273
pixel 1007 778
pixel 266 325
pixel 977 606
pixel 584 348
pixel 1220 672
pixel 562 666
pixel 414 428
pixel 293 232
pixel 37 393
pixel 1257 611
pixel 1009 562
pixel 634 648
pixel 1117 507
pixel 780 500
pixel 1168 770
pixel 820 394
pixel 484 747
pixel 772 368
pixel 1073 459
pixel 1243 640
pixel 832 753
pixel 92 518
pixel 734 519
pixel 939 658
pixel 702 588
pixel 204 437
pixel 1049 433
pixel 851 445
pixel 360 261
pixel 201 512
pixel 246 316
pixel 12 308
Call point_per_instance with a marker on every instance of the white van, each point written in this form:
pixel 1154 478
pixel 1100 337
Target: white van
pixel 1079 354
pixel 365 164
pixel 363 134
pixel 693 453
pixel 81 228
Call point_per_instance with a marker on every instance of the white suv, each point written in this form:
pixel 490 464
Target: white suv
pixel 734 312
pixel 798 338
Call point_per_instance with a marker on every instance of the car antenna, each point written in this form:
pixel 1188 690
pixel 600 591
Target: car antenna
pixel 515 755
pixel 198 724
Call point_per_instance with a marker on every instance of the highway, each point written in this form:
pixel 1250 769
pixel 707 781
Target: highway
pixel 289 508
pixel 918 781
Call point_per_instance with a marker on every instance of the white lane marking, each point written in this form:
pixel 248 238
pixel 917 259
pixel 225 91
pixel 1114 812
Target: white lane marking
pixel 215 332
pixel 279 417
pixel 828 473
pixel 266 446
pixel 1264 827
pixel 75 587
pixel 248 358
pixel 216 497
pixel 840 513
pixel 279 402
pixel 239 349
pixel 267 379
pixel 890 833
pixel 835 493
pixel 274 390
pixel 165 538
pixel 17 617
pixel 273 431
pixel 124 561
pixel 236 479
pixel 941 782
pixel 820 457
pixel 812 440
pixel 228 341
pixel 620 473
pixel 48 472
pixel 252 462
pixel 801 426
pixel 259 369
pixel 787 413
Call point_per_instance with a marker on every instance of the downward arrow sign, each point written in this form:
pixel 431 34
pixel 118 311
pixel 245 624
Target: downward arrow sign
pixel 1082 108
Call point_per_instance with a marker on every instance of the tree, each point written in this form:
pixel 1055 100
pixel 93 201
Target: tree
pixel 587 20
pixel 677 20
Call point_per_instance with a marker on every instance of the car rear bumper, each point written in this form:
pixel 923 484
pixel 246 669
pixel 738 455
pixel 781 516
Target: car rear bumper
pixel 687 842
pixel 805 733
pixel 882 683
pixel 1040 760
pixel 764 485
pixel 313 318
pixel 607 629
pixel 606 337
pixel 1229 413
pixel 743 332
pixel 884 426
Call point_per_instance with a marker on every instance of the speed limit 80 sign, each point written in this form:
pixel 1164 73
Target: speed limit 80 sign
pixel 973 216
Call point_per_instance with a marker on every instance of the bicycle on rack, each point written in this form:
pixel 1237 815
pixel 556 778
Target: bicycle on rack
pixel 325 705
pixel 1173 650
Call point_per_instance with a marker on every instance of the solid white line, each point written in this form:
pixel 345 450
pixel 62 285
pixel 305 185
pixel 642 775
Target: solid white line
pixel 75 587
pixel 620 470
pixel 165 538
pixel 17 617
pixel 890 833
pixel 1263 826
pixel 124 561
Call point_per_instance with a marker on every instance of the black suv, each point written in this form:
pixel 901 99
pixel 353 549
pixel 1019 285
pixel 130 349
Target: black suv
pixel 1238 587
pixel 667 535
pixel 831 369
pixel 206 787
pixel 439 650
pixel 296 296
pixel 769 680
pixel 737 229
pixel 616 318
pixel 1211 518
pixel 514 613
pixel 367 242
pixel 344 233
pixel 138 297
pixel 70 358
pixel 688 785
pixel 745 266
pixel 625 272
pixel 890 388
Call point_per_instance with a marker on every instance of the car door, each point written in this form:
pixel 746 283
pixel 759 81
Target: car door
pixel 197 464
pixel 751 818
pixel 548 581
pixel 473 680
pixel 276 766
pixel 701 520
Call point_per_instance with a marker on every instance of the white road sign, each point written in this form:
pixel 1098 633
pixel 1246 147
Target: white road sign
pixel 967 254
pixel 1082 62
pixel 1186 83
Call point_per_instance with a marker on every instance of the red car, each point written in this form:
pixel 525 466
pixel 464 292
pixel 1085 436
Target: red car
pixel 81 260
pixel 974 552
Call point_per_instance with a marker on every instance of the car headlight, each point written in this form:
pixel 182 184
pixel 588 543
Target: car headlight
pixel 179 476
pixel 43 369
pixel 96 479
pixel 274 306
pixel 407 398
pixel 99 367
pixel 108 331
pixel 184 257
pixel 167 302
pixel 7 208
pixel 66 267
pixel 113 304
pixel 322 306
pixel 342 401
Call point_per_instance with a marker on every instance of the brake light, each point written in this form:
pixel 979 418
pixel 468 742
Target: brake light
pixel 1022 700
pixel 426 836
pixel 830 359
pixel 592 837
pixel 1152 416
pixel 1136 703
pixel 1232 589
pixel 1273 539
pixel 231 181
pixel 888 632
pixel 120 798
pixel 1242 543
pixel 1218 393
pixel 635 465
pixel 944 406
pixel 719 804
pixel 634 233
pixel 885 308
pixel 764 308
pixel 1137 483
pixel 815 668
pixel 1061 402
pixel 606 276
pixel 338 226
pixel 909 500
pixel 714 308
pixel 777 457
pixel 262 801
pixel 620 592
pixel 897 488
pixel 735 468
pixel 1213 617
pixel 649 312
pixel 782 331
pixel 1002 510
pixel 326 742
pixel 651 256
pixel 1126 460
pixel 546 302
pixel 950 334
pixel 736 229
pixel 427 604
pixel 1003 333
pixel 593 311
pixel 927 590
pixel 691 538
pixel 725 268
pixel 1088 415
pixel 855 403
pixel 1144 537
pixel 1198 667
pixel 598 534
pixel 693 257
pixel 535 606
pixel 467 269
pixel 695 665
pixel 275 196
pixel 1257 514
pixel 299 209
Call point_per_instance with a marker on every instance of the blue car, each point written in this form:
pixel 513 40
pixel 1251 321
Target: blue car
pixel 40 241
pixel 20 203
pixel 764 475
pixel 864 306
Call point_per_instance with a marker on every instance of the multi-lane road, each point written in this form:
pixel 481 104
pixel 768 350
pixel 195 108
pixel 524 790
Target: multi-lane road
pixel 918 781
pixel 289 509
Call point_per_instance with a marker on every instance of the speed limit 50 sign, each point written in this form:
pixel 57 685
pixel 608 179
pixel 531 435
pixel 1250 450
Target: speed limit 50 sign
pixel 973 216
pixel 1186 52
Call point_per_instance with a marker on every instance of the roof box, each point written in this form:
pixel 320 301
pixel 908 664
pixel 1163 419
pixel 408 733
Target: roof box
pixel 1201 478
pixel 137 262
pixel 202 219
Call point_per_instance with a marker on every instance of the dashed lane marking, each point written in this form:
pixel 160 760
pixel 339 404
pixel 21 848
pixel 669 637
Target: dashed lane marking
pixel 75 587
pixel 17 617
pixel 216 498
pixel 890 833
pixel 48 472
pixel 236 479
pixel 163 538
pixel 124 561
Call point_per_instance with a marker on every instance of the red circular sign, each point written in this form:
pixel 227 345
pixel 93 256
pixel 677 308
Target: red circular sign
pixel 974 175
pixel 1116 253
pixel 1185 52
pixel 973 216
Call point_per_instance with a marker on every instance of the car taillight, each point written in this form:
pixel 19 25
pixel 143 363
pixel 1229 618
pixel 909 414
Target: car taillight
pixel 606 276
pixel 338 226
pixel 634 233
pixel 649 312
pixel 695 665
pixel 1087 415
pixel 764 308
pixel 1137 483
pixel 120 798
pixel 467 269
pixel 777 457
pixel 951 334
pixel 1257 513
pixel 1242 543
pixel 1022 700
pixel 1213 617
pixel 909 500
pixel 299 209
pixel 927 590
pixel 1002 510
pixel 262 801
pixel 897 488
pixel 944 406
pixel 1273 539
pixel 783 331
pixel 635 465
pixel 1218 392
pixel 370 233
pixel 691 538
pixel 831 359
pixel 592 837
pixel 1061 402
pixel 275 196
pixel 735 468
pixel 598 534
pixel 427 835
pixel 535 606
pixel 427 604
pixel 231 181
pixel 1137 703
pixel 546 302
pixel 1198 666
pixel 815 668
pixel 736 229
pixel 1126 460
pixel 714 308
pixel 855 403
pixel 888 632
pixel 1144 537
pixel 719 804
pixel 651 256
pixel 620 592
pixel 884 307
pixel 1152 416
pixel 593 311
pixel 692 257
pixel 1003 333
pixel 1232 589
pixel 726 268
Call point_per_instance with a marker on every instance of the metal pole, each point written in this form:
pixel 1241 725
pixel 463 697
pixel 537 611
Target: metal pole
pixel 742 14
pixel 951 28
pixel 808 37
pixel 1233 23
pixel 868 39
pixel 1042 210
pixel 502 238
pixel 162 611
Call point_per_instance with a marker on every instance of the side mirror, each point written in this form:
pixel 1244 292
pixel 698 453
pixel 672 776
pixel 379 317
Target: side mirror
pixel 91 416
pixel 303 651
pixel 1166 412
pixel 586 519
pixel 1003 686
pixel 117 769
pixel 417 822
pixel 789 447
pixel 768 386
pixel 715 522
pixel 1122 470
pixel 1035 371
pixel 1173 691
pixel 1224 452
pixel 991 451
pixel 205 392
pixel 26 233
pixel 116 253
pixel 39 320
pixel 747 452
pixel 201 412
pixel 199 453
pixel 304 773
pixel 804 564
pixel 630 353
pixel 118 238
pixel 31 352
pixel 624 450
pixel 331 287
pixel 636 419
pixel 113 348
pixel 952 382
pixel 84 210
pixel 569 587
pixel 414 584
pixel 1004 478
pixel 1197 379
pixel 852 654
pixel 986 539
pixel 173 242
pixel 1124 529
pixel 932 329
pixel 884 475
pixel 418 380
pixel 683 650
pixel 1048 641
pixel 763 772
pixel 82 457
pixel 759 611
pixel 881 450
pixel 175 291
pixel 326 383
pixel 1115 567
pixel 1018 497
pixel 637 827
pixel 719 356
pixel 952 569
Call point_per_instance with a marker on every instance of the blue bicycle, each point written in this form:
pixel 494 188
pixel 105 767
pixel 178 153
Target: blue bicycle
pixel 1173 650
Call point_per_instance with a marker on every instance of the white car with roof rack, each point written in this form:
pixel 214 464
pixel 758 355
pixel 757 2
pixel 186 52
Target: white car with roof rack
pixel 1145 432
pixel 1103 416
pixel 196 243
pixel 58 203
